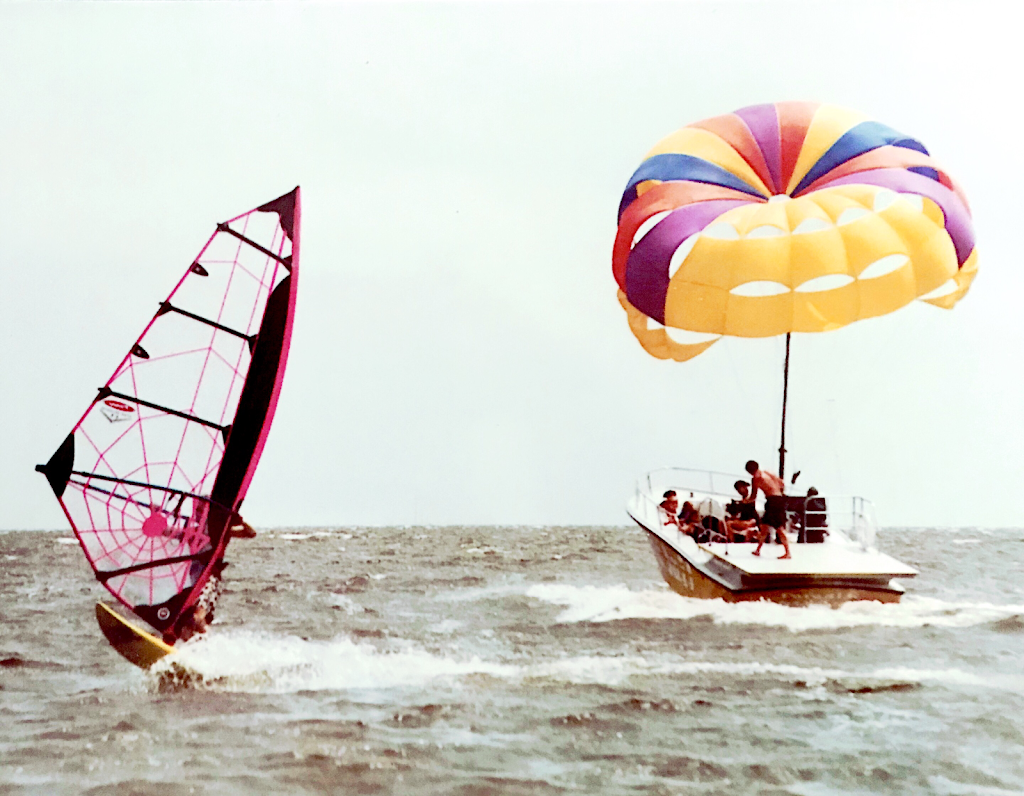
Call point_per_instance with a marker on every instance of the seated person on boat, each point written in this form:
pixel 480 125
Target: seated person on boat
pixel 741 515
pixel 689 520
pixel 670 505
pixel 815 518
pixel 713 525
pixel 775 514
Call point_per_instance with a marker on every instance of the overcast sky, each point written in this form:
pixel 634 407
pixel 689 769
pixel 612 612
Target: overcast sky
pixel 459 354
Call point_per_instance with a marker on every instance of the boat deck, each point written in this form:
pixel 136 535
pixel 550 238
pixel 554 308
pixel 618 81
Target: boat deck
pixel 830 558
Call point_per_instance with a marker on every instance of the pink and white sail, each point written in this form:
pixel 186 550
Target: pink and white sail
pixel 155 471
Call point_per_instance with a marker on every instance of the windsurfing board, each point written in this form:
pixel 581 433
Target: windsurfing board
pixel 131 641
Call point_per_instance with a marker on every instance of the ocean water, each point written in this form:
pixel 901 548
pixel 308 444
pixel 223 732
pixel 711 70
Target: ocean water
pixel 479 661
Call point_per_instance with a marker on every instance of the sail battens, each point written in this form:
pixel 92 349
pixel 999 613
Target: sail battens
pixel 285 261
pixel 144 484
pixel 106 392
pixel 104 575
pixel 166 307
pixel 134 500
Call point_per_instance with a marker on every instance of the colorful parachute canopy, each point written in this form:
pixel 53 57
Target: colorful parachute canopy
pixel 152 474
pixel 792 217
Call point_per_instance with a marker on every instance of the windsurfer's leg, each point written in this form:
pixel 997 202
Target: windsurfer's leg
pixel 186 631
pixel 199 619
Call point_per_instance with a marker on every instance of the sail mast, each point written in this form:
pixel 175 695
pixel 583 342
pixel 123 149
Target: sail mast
pixel 785 395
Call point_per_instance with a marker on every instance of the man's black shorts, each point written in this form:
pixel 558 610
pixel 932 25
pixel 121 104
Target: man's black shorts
pixel 774 511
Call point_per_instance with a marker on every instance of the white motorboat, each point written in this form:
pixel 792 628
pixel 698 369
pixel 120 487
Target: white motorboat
pixel 845 566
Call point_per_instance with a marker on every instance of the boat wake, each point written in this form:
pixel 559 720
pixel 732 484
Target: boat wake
pixel 611 603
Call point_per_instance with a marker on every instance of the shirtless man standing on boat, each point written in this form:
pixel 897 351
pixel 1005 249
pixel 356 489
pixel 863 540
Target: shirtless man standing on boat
pixel 775 505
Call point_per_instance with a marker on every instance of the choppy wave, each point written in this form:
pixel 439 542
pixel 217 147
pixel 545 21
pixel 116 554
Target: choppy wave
pixel 301 537
pixel 615 670
pixel 947 787
pixel 245 661
pixel 610 603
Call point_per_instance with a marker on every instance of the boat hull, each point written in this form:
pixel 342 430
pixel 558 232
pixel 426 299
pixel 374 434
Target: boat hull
pixel 688 580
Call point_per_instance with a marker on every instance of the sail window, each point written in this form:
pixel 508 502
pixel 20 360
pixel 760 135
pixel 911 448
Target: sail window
pixel 822 283
pixel 647 226
pixel 766 231
pixel 686 337
pixel 680 254
pixel 811 225
pixel 851 214
pixel 915 199
pixel 721 230
pixel 883 199
pixel 947 287
pixel 883 266
pixel 760 289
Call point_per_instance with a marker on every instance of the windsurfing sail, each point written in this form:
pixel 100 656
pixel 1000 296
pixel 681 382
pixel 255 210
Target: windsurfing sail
pixel 154 472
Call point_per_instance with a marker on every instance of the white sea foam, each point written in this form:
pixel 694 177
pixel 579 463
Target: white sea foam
pixel 607 670
pixel 477 593
pixel 948 787
pixel 292 536
pixel 610 603
pixel 446 626
pixel 248 661
pixel 345 603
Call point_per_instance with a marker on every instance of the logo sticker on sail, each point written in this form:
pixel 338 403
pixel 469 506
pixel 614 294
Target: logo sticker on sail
pixel 115 411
